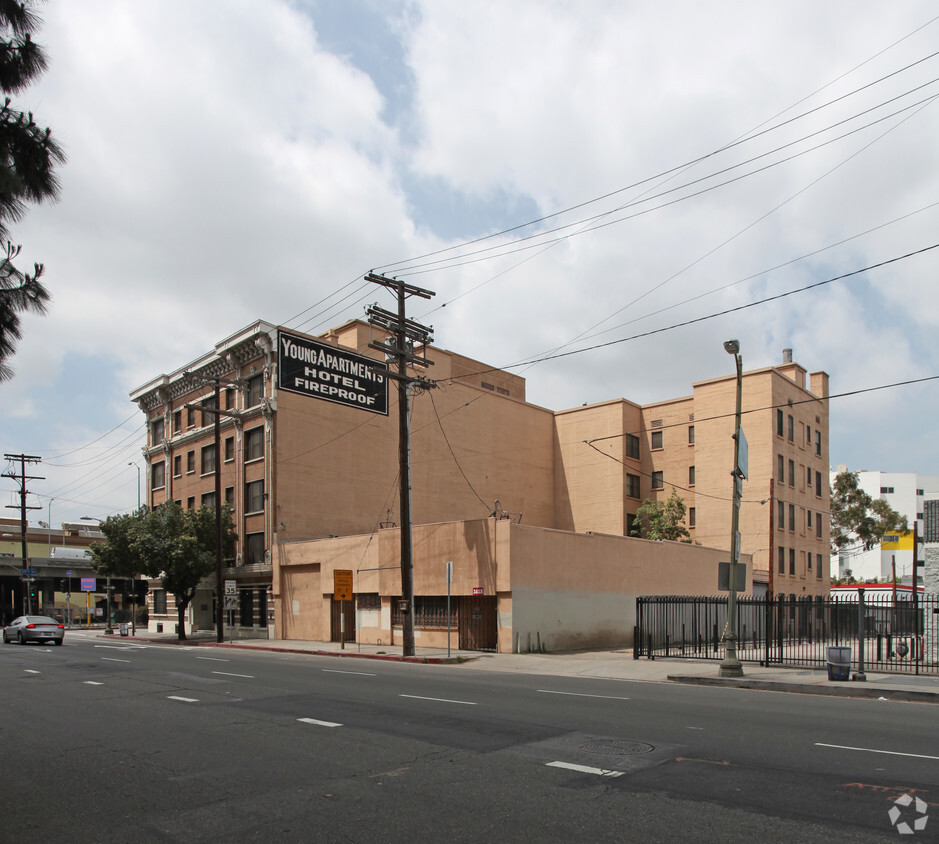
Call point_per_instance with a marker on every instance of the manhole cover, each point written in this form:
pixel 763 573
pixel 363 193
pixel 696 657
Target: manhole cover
pixel 617 747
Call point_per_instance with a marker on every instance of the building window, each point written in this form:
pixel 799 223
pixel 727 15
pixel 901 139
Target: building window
pixel 254 497
pixel 632 446
pixel 177 466
pixel 191 461
pixel 657 439
pixel 254 443
pixel 691 435
pixel 262 606
pixel 159 602
pixel 818 566
pixel 782 559
pixel 254 548
pixel 818 443
pixel 886 490
pixel 792 562
pixel 780 468
pixel 808 477
pixel 809 557
pixel 246 603
pixel 208 405
pixel 158 475
pixel 818 526
pixel 691 476
pixel 190 417
pixel 919 492
pixel 229 398
pixel 658 481
pixel 692 517
pixel 792 517
pixel 779 423
pixel 781 514
pixel 791 429
pixel 208 459
pixel 230 496
pixel 792 473
pixel 254 390
pixel 808 434
pixel 208 500
pixel 177 421
pixel 808 515
pixel 191 503
pixel 632 486
pixel 229 449
pixel 156 431
pixel 818 484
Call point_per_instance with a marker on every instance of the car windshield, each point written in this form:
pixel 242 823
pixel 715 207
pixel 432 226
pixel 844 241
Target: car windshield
pixel 41 619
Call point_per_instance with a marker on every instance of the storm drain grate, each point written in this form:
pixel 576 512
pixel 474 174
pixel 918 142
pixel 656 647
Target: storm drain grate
pixel 617 747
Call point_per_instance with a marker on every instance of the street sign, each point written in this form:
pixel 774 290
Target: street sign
pixel 477 590
pixel 723 577
pixel 230 587
pixel 88 584
pixel 29 571
pixel 231 602
pixel 342 584
pixel 743 451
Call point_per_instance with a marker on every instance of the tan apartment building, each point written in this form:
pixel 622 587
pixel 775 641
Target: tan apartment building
pixel 309 452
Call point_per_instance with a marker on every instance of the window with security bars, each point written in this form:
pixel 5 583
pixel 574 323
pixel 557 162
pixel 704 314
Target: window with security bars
pixel 429 612
pixel 368 601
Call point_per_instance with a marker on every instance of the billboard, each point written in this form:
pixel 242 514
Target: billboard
pixel 322 371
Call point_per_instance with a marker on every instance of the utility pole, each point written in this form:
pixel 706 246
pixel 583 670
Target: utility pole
pixel 218 413
pixel 405 334
pixel 21 480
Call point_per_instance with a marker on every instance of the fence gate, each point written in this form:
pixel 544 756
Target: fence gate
pixel 346 608
pixel 477 623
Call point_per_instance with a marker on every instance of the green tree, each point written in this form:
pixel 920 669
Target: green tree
pixel 176 545
pixel 858 519
pixel 28 156
pixel 662 520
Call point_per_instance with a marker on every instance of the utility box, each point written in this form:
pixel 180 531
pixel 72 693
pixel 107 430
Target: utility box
pixel 839 663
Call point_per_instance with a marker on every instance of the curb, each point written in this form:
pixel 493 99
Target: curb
pixel 422 660
pixel 862 692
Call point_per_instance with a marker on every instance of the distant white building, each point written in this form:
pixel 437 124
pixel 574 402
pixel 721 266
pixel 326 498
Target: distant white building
pixel 905 492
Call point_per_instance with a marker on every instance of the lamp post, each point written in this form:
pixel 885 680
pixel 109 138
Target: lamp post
pixel 730 665
pixel 133 580
pixel 107 625
pixel 49 525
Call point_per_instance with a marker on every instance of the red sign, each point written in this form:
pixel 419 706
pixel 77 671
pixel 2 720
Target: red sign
pixel 477 590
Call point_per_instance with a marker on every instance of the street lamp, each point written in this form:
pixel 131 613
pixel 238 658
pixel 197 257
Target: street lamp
pixel 107 625
pixel 133 580
pixel 138 482
pixel 730 665
pixel 49 526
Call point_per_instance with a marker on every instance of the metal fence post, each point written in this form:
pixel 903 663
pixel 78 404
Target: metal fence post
pixel 860 675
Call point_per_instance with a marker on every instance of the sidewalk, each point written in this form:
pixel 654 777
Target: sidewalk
pixel 609 665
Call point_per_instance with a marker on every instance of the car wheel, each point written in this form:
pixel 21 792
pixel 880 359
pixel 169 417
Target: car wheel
pixel 58 641
pixel 19 636
pixel 5 640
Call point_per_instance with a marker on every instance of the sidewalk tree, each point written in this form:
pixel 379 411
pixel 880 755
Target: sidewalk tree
pixel 178 546
pixel 175 545
pixel 662 520
pixel 28 156
pixel 856 517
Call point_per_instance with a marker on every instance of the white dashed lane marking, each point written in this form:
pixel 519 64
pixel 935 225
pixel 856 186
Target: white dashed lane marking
pixel 583 769
pixel 319 723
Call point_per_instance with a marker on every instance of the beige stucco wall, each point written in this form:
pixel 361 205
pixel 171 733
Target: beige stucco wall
pixel 559 589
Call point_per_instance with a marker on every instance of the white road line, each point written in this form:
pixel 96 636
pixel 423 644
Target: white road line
pixel 213 659
pixel 117 647
pixel 227 674
pixel 441 700
pixel 580 694
pixel 583 769
pixel 113 659
pixel 334 671
pixel 319 723
pixel 183 699
pixel 31 671
pixel 93 683
pixel 694 728
pixel 872 750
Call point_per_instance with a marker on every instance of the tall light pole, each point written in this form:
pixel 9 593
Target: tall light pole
pixel 138 482
pixel 730 665
pixel 49 522
pixel 107 626
pixel 133 579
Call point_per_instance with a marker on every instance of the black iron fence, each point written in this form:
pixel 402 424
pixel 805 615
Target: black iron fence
pixel 888 634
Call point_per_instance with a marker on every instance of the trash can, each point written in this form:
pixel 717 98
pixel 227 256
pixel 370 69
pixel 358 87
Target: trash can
pixel 839 663
pixel 123 629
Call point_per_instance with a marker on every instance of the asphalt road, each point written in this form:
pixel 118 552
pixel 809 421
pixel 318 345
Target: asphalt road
pixel 120 741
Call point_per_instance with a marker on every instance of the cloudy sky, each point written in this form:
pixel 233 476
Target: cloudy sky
pixel 633 165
